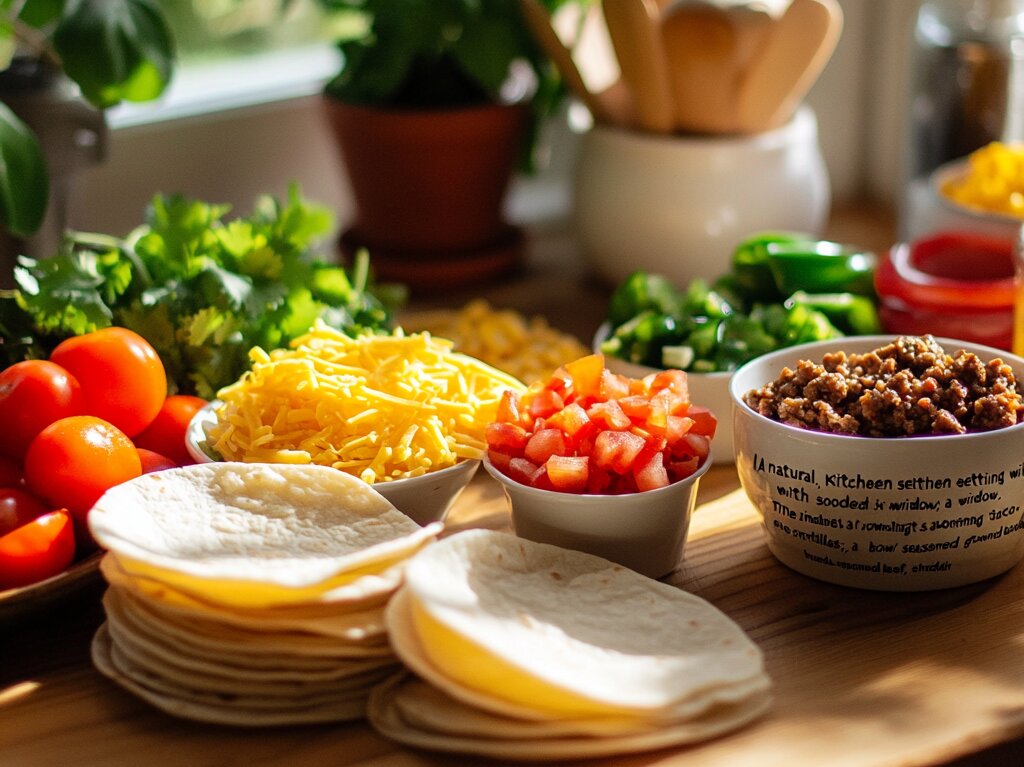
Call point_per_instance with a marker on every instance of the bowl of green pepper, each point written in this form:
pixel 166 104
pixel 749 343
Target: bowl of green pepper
pixel 783 289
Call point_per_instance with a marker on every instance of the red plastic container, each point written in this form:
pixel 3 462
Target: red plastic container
pixel 953 284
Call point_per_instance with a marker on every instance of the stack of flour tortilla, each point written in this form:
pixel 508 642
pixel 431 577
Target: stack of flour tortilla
pixel 250 594
pixel 521 650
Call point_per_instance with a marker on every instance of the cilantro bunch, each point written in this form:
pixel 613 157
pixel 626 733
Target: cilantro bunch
pixel 201 289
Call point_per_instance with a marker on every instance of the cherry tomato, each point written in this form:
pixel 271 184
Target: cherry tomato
pixel 38 550
pixel 152 461
pixel 166 435
pixel 34 394
pixel 11 474
pixel 121 376
pixel 75 460
pixel 18 508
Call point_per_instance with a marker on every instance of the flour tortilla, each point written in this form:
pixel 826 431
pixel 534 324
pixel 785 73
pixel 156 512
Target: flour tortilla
pixel 555 629
pixel 254 535
pixel 391 700
pixel 204 634
pixel 408 646
pixel 129 633
pixel 219 714
pixel 357 615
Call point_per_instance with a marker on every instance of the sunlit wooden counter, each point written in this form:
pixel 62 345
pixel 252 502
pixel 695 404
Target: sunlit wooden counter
pixel 861 679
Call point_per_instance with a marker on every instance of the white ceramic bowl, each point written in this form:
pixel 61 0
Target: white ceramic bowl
pixel 677 205
pixel 929 211
pixel 425 499
pixel 645 531
pixel 893 514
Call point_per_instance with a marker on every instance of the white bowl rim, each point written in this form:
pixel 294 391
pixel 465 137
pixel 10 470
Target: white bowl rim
pixel 873 342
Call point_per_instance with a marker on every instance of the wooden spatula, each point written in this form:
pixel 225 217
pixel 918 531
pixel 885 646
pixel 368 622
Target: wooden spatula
pixel 634 31
pixel 799 45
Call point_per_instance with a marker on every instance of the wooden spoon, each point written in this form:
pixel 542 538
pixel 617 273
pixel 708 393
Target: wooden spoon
pixel 798 48
pixel 539 22
pixel 700 44
pixel 633 29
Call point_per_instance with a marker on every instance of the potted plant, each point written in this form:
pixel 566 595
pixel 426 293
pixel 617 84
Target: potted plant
pixel 432 121
pixel 61 63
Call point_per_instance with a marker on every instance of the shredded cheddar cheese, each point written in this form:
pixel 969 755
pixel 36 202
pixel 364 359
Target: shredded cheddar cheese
pixel 994 181
pixel 529 349
pixel 381 407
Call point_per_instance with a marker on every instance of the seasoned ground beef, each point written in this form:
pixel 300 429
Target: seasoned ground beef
pixel 911 386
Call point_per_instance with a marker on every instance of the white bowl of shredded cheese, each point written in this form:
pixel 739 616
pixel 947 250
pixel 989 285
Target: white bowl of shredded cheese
pixel 425 499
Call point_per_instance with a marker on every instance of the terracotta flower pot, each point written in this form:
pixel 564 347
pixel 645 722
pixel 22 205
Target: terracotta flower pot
pixel 429 186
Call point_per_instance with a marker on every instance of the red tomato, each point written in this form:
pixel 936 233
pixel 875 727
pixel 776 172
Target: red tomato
pixel 34 394
pixel 18 508
pixel 152 461
pixel 121 375
pixel 11 474
pixel 166 434
pixel 38 550
pixel 74 460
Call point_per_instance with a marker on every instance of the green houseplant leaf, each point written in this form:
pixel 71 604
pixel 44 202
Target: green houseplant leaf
pixel 24 187
pixel 115 49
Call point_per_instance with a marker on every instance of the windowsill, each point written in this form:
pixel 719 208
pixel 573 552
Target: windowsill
pixel 204 88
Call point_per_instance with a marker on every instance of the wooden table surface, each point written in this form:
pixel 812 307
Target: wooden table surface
pixel 861 679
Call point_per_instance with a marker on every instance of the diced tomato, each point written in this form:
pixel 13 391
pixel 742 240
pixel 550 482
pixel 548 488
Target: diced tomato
pixel 613 385
pixel 587 429
pixel 678 426
pixel 560 381
pixel 610 414
pixel 508 407
pixel 545 443
pixel 657 418
pixel 636 406
pixel 571 420
pixel 586 376
pixel 704 421
pixel 545 403
pixel 598 480
pixel 678 470
pixel 506 437
pixel 672 380
pixel 568 474
pixel 692 444
pixel 649 470
pixel 623 484
pixel 500 460
pixel 616 450
pixel 524 471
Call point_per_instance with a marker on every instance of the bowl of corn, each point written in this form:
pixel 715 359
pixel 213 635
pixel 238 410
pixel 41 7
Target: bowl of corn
pixel 982 192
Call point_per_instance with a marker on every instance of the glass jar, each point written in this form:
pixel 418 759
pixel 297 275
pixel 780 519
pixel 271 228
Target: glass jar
pixel 955 284
pixel 966 90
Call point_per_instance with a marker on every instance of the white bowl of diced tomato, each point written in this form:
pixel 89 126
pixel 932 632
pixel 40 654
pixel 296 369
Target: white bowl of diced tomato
pixel 596 461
